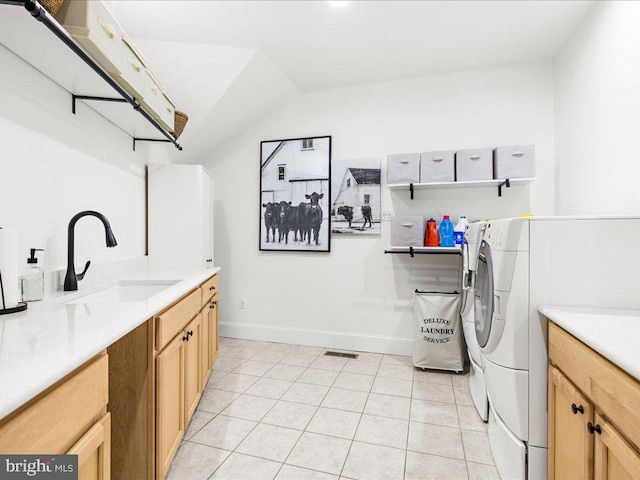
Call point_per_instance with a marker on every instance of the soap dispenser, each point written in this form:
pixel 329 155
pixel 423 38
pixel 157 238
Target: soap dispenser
pixel 32 279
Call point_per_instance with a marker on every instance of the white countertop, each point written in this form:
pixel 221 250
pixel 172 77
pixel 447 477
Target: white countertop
pixel 612 333
pixel 50 339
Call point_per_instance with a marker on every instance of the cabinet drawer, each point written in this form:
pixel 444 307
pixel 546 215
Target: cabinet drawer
pixel 474 165
pixel 93 27
pixel 209 289
pixel 170 322
pixel 56 420
pixel 615 392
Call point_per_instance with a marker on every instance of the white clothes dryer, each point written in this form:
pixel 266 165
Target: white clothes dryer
pixel 524 263
pixel 477 384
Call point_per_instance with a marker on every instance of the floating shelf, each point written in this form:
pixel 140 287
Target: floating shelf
pixel 425 250
pixel 505 182
pixel 22 30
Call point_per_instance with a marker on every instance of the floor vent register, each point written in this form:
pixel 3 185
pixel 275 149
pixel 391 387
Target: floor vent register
pixel 338 353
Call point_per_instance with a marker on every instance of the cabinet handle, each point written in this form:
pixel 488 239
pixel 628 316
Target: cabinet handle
pixel 575 409
pixel 190 333
pixel 107 27
pixel 185 338
pixel 518 153
pixel 475 157
pixel 438 159
pixel 212 288
pixel 594 428
pixel 136 65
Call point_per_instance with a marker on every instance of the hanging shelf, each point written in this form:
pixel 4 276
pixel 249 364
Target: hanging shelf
pixel 425 250
pixel 505 182
pixel 67 64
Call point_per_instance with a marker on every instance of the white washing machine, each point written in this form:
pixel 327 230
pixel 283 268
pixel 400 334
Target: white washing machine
pixel 477 384
pixel 524 263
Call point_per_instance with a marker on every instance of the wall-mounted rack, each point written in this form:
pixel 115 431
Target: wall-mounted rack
pixel 68 65
pixel 505 182
pixel 424 250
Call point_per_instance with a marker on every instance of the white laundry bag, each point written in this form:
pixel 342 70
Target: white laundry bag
pixel 439 337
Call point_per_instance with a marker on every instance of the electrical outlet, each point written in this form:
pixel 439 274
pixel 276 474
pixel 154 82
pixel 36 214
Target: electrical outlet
pixel 386 215
pixel 243 303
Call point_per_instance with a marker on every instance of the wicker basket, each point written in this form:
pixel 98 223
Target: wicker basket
pixel 51 6
pixel 180 119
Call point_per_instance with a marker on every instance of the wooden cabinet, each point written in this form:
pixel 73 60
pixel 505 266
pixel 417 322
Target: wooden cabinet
pixel 183 366
pixel 594 428
pixel 93 450
pixel 615 457
pixel 192 368
pixel 170 397
pixel 178 391
pixel 570 443
pixel 70 417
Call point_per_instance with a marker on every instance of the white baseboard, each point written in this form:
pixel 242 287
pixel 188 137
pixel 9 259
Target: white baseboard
pixel 319 338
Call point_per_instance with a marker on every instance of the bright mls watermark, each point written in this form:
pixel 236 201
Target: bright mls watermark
pixel 41 467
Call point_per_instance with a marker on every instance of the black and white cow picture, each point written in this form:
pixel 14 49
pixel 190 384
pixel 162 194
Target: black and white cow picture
pixel 303 220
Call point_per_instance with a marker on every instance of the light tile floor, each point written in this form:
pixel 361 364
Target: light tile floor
pixel 286 412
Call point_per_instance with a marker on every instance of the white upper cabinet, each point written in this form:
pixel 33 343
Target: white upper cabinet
pixel 180 204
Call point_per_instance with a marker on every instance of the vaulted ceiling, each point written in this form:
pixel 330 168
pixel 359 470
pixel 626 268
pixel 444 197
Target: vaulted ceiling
pixel 229 62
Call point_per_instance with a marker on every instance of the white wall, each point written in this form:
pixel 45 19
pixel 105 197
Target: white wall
pixel 597 76
pixel 357 297
pixel 53 164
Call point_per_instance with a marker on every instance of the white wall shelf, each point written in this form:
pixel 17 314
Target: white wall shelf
pixel 27 32
pixel 425 250
pixel 505 182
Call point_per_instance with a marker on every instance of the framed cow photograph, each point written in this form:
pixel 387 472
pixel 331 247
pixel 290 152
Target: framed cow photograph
pixel 355 204
pixel 295 191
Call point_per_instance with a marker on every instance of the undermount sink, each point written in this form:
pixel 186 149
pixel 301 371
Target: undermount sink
pixel 125 292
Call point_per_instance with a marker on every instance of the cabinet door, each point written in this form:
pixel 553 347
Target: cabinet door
pixel 207 218
pixel 615 457
pixel 192 377
pixel 570 443
pixel 205 368
pixel 94 451
pixel 214 319
pixel 169 403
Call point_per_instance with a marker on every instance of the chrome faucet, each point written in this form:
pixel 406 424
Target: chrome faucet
pixel 71 279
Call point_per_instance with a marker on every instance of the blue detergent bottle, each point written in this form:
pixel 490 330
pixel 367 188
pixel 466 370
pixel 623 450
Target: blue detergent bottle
pixel 446 232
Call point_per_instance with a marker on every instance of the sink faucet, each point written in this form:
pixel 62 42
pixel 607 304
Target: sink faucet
pixel 71 279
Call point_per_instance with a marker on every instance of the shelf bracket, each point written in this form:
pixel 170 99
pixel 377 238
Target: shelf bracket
pixel 89 97
pixel 411 190
pixel 506 183
pixel 161 140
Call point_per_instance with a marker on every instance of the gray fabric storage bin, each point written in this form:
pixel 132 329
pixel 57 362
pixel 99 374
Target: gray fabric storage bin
pixel 437 167
pixel 403 168
pixel 517 161
pixel 407 231
pixel 474 164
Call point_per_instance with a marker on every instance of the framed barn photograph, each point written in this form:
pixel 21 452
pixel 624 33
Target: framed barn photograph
pixel 295 191
pixel 355 205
